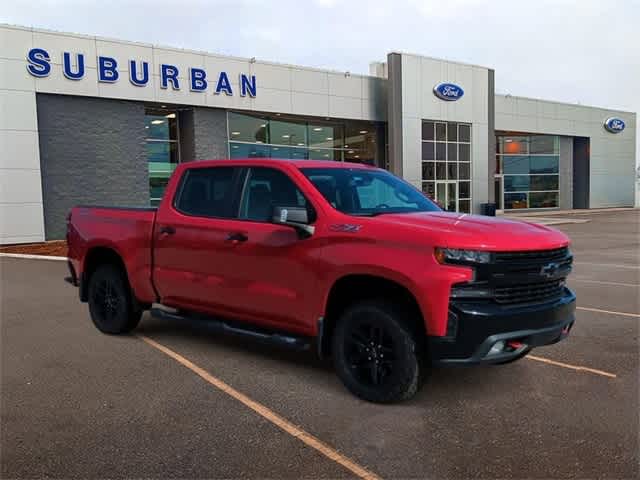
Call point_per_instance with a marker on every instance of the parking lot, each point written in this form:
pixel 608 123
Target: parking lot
pixel 176 400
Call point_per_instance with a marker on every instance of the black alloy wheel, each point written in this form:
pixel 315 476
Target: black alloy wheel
pixel 110 301
pixel 109 304
pixel 370 353
pixel 375 353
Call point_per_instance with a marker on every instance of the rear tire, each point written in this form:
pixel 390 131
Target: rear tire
pixel 111 303
pixel 375 354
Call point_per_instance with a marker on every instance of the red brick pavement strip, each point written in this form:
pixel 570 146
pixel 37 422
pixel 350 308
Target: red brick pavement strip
pixel 57 248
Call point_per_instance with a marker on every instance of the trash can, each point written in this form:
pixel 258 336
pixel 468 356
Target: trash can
pixel 488 209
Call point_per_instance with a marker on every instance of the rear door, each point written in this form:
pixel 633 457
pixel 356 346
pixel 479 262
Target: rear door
pixel 194 237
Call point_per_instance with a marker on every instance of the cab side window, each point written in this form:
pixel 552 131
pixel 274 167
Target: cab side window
pixel 266 188
pixel 208 192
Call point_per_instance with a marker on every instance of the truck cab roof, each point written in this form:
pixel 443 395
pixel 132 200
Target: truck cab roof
pixel 267 162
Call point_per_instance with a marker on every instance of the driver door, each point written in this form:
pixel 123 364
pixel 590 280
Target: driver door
pixel 274 272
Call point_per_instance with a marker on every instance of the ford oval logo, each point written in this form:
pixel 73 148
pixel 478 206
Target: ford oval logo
pixel 614 125
pixel 448 91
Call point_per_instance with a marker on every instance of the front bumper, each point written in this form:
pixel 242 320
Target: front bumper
pixel 480 326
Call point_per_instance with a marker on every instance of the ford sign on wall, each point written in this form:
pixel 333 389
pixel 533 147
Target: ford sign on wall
pixel 614 125
pixel 448 91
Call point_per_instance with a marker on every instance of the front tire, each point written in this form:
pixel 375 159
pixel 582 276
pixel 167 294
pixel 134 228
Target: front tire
pixel 111 304
pixel 375 354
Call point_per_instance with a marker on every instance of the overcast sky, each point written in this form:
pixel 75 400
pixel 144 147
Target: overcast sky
pixel 583 51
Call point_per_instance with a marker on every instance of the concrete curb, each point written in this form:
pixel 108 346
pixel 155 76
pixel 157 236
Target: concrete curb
pixel 548 221
pixel 32 257
pixel 586 211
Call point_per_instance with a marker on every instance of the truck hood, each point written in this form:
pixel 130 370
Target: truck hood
pixel 456 230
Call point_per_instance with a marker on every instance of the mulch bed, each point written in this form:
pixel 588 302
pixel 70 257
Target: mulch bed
pixel 56 248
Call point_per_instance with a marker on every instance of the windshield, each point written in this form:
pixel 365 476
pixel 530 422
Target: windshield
pixel 356 191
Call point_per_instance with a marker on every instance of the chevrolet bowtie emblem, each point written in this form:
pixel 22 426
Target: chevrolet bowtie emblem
pixel 549 270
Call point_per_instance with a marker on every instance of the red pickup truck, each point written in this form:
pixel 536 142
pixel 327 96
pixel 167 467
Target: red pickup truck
pixel 343 257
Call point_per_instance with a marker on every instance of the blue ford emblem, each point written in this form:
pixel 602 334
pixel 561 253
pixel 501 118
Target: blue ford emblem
pixel 448 91
pixel 614 125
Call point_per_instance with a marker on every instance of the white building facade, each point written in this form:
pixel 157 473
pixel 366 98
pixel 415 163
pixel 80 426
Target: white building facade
pixel 91 120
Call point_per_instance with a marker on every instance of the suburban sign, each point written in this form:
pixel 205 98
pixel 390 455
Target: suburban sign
pixel 108 71
pixel 614 125
pixel 448 91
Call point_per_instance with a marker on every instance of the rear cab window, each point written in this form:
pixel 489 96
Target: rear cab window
pixel 209 192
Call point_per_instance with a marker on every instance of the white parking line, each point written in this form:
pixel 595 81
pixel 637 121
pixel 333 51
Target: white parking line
pixel 572 367
pixel 268 414
pixel 610 312
pixel 617 284
pixel 32 257
pixel 614 265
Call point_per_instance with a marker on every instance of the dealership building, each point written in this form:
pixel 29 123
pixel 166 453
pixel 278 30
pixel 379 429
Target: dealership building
pixel 86 120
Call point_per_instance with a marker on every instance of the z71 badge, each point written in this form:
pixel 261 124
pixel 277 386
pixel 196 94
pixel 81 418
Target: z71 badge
pixel 345 227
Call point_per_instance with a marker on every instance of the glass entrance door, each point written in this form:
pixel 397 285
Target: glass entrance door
pixel 447 195
pixel 498 183
pixel 441 194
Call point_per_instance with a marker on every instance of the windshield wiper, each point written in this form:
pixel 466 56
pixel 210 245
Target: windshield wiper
pixel 373 214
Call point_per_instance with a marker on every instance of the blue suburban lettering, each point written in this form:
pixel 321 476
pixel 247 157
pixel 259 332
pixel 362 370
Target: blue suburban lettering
pixel 247 85
pixel 39 65
pixel 224 84
pixel 107 70
pixel 74 68
pixel 198 79
pixel 67 67
pixel 169 73
pixel 133 73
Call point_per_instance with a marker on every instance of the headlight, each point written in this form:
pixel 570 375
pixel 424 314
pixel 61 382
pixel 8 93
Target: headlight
pixel 452 255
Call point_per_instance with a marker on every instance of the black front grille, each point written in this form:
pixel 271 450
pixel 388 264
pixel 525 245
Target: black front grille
pixel 529 293
pixel 537 256
pixel 511 270
pixel 522 277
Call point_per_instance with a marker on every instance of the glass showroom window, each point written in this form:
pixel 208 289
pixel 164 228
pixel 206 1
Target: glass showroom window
pixel 163 152
pixel 276 136
pixel 530 169
pixel 446 164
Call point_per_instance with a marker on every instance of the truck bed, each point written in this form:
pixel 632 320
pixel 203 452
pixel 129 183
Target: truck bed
pixel 126 230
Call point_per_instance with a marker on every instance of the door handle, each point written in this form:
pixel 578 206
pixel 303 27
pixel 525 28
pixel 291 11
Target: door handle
pixel 167 230
pixel 237 237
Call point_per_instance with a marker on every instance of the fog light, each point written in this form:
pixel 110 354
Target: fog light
pixel 498 347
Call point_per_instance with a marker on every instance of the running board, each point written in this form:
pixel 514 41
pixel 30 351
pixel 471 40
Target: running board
pixel 226 327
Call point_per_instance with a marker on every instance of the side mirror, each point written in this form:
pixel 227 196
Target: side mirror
pixel 296 217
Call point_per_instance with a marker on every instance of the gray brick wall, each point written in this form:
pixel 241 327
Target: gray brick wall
pixel 92 151
pixel 187 145
pixel 210 133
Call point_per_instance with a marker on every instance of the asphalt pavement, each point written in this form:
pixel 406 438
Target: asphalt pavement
pixel 75 403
